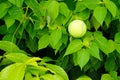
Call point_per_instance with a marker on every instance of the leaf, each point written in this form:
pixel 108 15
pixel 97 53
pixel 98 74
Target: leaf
pixel 84 78
pixel 55 37
pixel 17 70
pixel 80 6
pixel 74 46
pixel 111 7
pixel 108 19
pixel 16 13
pixel 111 46
pixel 82 57
pixel 117 38
pixel 53 9
pixel 94 51
pixel 43 41
pixel 9 21
pixel 91 4
pixel 58 70
pixel 28 76
pixel 106 77
pixel 84 15
pixel 17 57
pixel 102 43
pixel 32 44
pixel 100 14
pixel 4 8
pixel 9 37
pixel 95 23
pixel 110 64
pixel 63 9
pixel 18 3
pixel 114 75
pixel 9 46
pixel 34 5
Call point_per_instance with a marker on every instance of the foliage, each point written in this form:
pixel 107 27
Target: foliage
pixel 35 43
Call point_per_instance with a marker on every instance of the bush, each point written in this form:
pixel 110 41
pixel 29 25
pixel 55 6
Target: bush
pixel 35 43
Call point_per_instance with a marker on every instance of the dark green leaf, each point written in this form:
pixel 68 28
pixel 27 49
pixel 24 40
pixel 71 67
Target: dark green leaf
pixel 16 13
pixel 84 78
pixel 17 70
pixel 100 14
pixel 74 46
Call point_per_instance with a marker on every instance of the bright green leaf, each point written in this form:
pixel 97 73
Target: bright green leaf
pixel 91 4
pixel 100 14
pixel 18 3
pixel 84 78
pixel 58 70
pixel 13 72
pixel 82 57
pixel 111 7
pixel 108 19
pixel 74 46
pixel 106 77
pixel 84 15
pixel 63 9
pixel 9 21
pixel 17 57
pixel 55 37
pixel 9 46
pixel 43 42
pixel 80 6
pixel 53 9
pixel 94 51
pixel 111 46
pixel 117 38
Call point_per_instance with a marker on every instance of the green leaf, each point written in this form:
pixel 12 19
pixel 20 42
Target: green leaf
pixel 80 6
pixel 110 64
pixel 9 46
pixel 74 46
pixel 9 37
pixel 63 9
pixel 114 75
pixel 111 7
pixel 55 37
pixel 111 46
pixel 28 76
pixel 34 5
pixel 43 42
pixel 17 57
pixel 84 78
pixel 82 58
pixel 102 43
pixel 58 70
pixel 100 14
pixel 95 23
pixel 108 19
pixel 17 70
pixel 18 3
pixel 4 8
pixel 84 15
pixel 91 4
pixel 117 38
pixel 32 44
pixel 16 13
pixel 94 51
pixel 106 77
pixel 53 9
pixel 9 21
